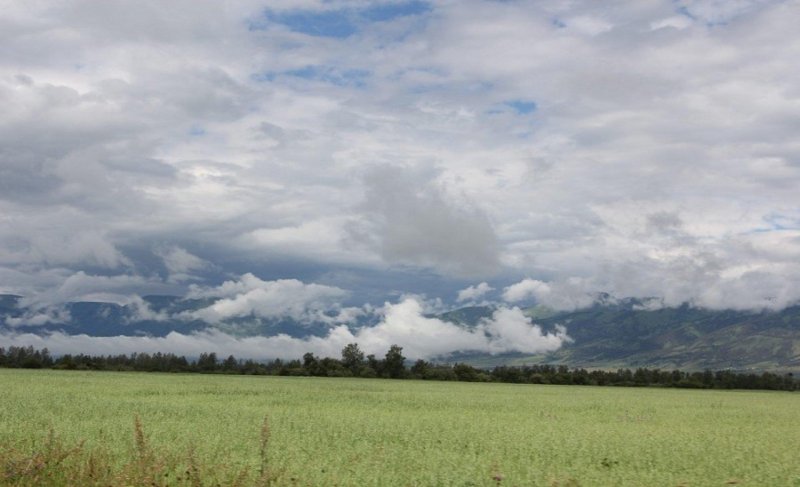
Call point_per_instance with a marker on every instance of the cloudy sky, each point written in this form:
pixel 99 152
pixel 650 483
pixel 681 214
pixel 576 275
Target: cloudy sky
pixel 283 154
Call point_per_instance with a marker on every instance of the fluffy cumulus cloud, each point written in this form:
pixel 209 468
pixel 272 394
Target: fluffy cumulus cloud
pixel 640 150
pixel 474 292
pixel 250 296
pixel 403 323
pixel 570 294
pixel 510 330
pixel 526 288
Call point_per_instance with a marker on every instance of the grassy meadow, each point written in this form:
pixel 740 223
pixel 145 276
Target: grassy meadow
pixel 107 428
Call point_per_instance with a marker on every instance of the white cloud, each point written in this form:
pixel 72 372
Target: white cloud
pixel 89 287
pixel 590 26
pixel 403 324
pixel 423 337
pixel 511 330
pixel 142 311
pixel 251 296
pixel 180 263
pixel 679 22
pixel 568 294
pixel 473 293
pixel 38 317
pixel 526 289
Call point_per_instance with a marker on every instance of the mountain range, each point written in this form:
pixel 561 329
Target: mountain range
pixel 625 335
pixel 609 334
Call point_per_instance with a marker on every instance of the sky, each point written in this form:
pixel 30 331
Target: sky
pixel 370 153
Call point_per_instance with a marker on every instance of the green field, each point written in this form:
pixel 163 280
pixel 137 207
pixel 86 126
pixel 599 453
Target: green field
pixel 363 432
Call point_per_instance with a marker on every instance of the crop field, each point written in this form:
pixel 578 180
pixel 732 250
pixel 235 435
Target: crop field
pixel 108 428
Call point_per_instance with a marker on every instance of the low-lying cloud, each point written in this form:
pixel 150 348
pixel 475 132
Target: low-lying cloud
pixel 403 323
pixel 569 294
pixel 39 317
pixel 251 296
pixel 82 286
pixel 180 263
pixel 473 293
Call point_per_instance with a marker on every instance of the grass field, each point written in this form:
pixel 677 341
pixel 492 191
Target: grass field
pixel 203 430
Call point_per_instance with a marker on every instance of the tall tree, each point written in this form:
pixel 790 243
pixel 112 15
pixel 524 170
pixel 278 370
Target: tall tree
pixel 394 362
pixel 207 362
pixel 311 364
pixel 353 358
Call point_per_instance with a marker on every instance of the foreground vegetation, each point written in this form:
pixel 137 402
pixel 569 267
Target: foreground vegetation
pixel 353 363
pixel 115 428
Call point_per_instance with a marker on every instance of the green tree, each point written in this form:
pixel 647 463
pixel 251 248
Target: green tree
pixel 207 362
pixel 230 364
pixel 394 362
pixel 420 369
pixel 375 365
pixel 353 358
pixel 466 373
pixel 311 364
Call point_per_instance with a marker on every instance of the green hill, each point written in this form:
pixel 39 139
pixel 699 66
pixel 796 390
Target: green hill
pixel 622 335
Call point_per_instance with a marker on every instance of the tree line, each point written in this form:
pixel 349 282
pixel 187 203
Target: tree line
pixel 393 365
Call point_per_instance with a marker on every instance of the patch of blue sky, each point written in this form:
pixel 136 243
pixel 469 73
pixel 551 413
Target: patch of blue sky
pixel 782 222
pixel 777 223
pixel 435 87
pixel 558 23
pixel 425 71
pixel 264 77
pixel 392 10
pixel 521 107
pixel 330 23
pixel 339 23
pixel 684 10
pixel 449 88
pixel 340 77
pixel 197 131
pixel 709 22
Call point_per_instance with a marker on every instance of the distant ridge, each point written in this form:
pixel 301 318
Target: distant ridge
pixel 688 338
